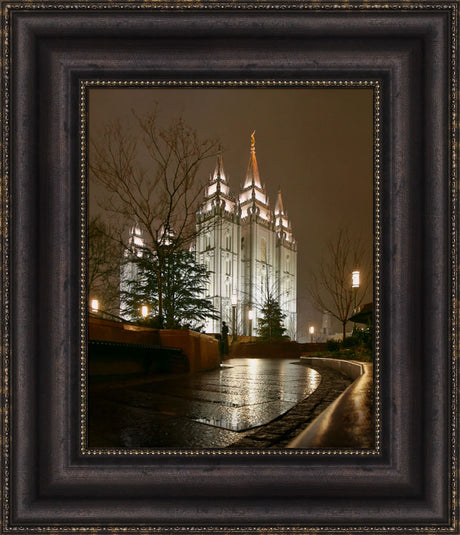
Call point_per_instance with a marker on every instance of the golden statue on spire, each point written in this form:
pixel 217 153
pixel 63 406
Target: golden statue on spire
pixel 253 140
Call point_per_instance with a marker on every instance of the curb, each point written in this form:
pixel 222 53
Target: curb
pixel 348 421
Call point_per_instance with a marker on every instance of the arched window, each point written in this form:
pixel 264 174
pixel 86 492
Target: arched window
pixel 228 242
pixel 227 266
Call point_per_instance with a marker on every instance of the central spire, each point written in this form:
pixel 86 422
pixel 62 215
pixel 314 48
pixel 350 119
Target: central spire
pixel 252 173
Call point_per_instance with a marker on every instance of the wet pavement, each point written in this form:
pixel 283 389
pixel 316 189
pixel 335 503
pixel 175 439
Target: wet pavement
pixel 212 409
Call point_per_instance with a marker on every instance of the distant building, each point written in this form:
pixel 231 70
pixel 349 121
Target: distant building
pixel 248 249
pixel 129 271
pixel 325 327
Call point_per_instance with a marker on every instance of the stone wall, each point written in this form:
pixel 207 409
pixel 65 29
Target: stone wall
pixel 202 350
pixel 114 331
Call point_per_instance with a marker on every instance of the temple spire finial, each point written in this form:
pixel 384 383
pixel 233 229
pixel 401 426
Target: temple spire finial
pixel 253 141
pixel 279 208
pixel 219 173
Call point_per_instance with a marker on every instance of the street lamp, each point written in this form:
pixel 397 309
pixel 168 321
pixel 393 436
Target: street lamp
pixel 144 311
pixel 95 306
pixel 234 303
pixel 250 317
pixel 312 332
pixel 355 286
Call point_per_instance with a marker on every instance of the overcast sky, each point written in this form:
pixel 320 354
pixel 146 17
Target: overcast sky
pixel 316 144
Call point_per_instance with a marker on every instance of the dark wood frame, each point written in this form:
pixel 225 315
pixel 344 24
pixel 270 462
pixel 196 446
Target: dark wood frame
pixel 47 482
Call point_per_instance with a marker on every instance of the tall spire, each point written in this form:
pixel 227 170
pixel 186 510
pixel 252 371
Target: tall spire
pixel 217 192
pixel 252 173
pixel 279 208
pixel 282 223
pixel 219 173
pixel 253 197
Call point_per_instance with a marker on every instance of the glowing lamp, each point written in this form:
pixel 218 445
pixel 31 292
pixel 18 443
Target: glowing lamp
pixel 94 305
pixel 355 279
pixel 250 315
pixel 144 311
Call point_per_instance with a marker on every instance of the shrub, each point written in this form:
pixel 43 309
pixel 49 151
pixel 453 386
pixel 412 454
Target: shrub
pixel 365 337
pixel 333 345
pixel 351 341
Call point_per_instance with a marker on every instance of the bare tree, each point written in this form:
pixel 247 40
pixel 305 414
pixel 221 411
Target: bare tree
pixel 151 177
pixel 331 287
pixel 103 265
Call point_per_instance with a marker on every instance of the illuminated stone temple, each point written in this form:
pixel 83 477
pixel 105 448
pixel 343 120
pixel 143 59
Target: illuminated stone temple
pixel 249 250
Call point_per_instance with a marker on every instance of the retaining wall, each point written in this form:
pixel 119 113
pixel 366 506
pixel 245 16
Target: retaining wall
pixel 201 350
pixel 114 331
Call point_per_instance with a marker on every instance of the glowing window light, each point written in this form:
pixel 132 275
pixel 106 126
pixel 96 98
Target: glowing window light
pixel 94 305
pixel 355 279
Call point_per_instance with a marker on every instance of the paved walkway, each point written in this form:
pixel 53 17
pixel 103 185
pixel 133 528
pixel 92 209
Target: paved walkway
pixel 248 403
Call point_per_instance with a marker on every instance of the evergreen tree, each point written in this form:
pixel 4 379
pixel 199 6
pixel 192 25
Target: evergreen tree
pixel 183 281
pixel 271 323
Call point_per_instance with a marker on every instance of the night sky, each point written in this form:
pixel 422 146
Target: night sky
pixel 316 144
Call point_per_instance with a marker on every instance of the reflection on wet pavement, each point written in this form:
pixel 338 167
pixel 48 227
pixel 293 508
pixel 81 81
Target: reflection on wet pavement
pixel 204 410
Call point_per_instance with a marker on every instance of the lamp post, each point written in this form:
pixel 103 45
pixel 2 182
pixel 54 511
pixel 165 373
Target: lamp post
pixel 234 303
pixel 250 317
pixel 355 286
pixel 95 306
pixel 312 332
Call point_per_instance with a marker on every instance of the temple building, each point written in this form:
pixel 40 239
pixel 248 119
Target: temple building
pixel 249 250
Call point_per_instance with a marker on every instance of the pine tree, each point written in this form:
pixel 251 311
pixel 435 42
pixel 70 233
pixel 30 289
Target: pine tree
pixel 271 323
pixel 183 283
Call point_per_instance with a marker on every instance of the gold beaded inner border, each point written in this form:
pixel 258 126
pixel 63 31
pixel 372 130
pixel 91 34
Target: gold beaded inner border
pixel 85 85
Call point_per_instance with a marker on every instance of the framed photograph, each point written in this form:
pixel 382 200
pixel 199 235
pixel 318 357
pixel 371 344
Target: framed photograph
pixel 242 285
pixel 229 272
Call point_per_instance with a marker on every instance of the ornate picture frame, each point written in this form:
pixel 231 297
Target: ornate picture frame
pixel 50 483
